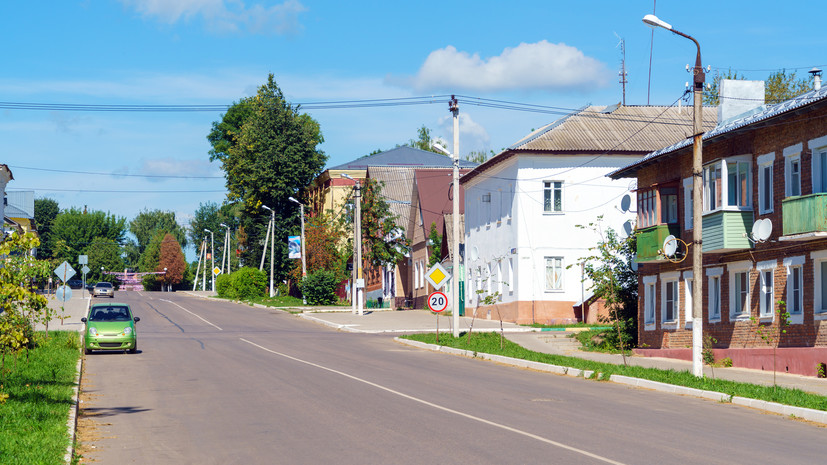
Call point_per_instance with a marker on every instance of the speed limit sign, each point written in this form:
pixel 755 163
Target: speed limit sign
pixel 437 301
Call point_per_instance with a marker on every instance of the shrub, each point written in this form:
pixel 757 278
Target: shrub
pixel 248 283
pixel 223 286
pixel 151 283
pixel 319 287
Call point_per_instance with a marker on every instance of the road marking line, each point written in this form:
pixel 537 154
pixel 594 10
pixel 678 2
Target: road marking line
pixel 440 407
pixel 193 314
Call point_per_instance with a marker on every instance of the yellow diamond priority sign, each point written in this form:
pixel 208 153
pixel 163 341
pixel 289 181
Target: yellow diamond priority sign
pixel 437 276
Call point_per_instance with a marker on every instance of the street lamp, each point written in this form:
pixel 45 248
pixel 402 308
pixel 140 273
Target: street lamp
pixel 358 280
pixel 166 286
pixel 227 240
pixel 271 232
pixel 212 257
pixel 697 207
pixel 304 255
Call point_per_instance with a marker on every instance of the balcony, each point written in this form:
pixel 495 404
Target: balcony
pixel 804 217
pixel 650 240
pixel 724 231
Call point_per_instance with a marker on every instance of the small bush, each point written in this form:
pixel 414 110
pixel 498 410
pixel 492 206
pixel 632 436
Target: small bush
pixel 151 283
pixel 726 362
pixel 248 283
pixel 223 286
pixel 319 287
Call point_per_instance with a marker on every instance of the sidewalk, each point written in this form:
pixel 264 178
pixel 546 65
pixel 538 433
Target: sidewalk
pixel 413 321
pixel 72 311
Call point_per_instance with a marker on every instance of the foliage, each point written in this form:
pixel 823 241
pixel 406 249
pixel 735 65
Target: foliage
pixel 609 269
pixel 770 333
pixel 150 283
pixel 268 152
pixel 172 260
pixel 104 253
pixel 319 287
pixel 149 222
pixel 710 96
pixel 479 156
pixel 383 243
pixel 247 283
pixel 18 272
pixel 211 216
pixel 223 285
pixel 778 87
pixel 424 141
pixel 73 230
pixel 45 212
pixel 152 253
pixel 322 236
pixel 435 242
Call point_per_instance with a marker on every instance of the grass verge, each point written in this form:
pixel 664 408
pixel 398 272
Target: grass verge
pixel 489 343
pixel 40 388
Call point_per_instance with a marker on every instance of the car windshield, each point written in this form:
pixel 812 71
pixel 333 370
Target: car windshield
pixel 109 314
pixel 103 285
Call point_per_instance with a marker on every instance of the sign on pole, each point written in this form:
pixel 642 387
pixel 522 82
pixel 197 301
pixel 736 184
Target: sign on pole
pixel 64 271
pixel 63 293
pixel 216 271
pixel 437 301
pixel 294 247
pixel 85 269
pixel 437 276
pixel 83 259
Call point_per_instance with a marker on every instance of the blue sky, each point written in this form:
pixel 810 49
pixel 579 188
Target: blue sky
pixel 195 52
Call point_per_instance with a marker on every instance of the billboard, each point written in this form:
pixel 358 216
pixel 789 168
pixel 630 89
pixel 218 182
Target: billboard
pixel 294 247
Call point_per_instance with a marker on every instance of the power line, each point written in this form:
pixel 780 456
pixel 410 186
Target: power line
pixel 159 176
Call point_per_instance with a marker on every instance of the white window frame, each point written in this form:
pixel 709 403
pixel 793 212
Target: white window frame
pixel 792 157
pixel 688 289
pixel 735 269
pixel 765 202
pixel 670 282
pixel 552 187
pixel 500 277
pixel 818 170
pixel 510 275
pixel 819 301
pixel 795 265
pixel 714 301
pixel 562 285
pixel 766 283
pixel 720 168
pixel 687 204
pixel 649 301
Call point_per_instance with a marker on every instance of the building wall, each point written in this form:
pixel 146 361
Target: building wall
pixel 808 330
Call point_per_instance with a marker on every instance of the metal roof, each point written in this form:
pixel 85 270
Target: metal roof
pixel 397 190
pixel 757 115
pixel 403 156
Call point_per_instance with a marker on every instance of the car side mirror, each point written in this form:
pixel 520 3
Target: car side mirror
pixel 83 319
pixel 137 319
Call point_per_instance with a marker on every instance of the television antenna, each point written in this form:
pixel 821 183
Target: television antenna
pixel 674 249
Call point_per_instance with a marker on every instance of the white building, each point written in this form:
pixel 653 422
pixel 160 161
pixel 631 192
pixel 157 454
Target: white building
pixel 523 207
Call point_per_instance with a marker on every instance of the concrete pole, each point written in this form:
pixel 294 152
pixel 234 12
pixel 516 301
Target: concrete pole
pixel 697 222
pixel 272 249
pixel 454 107
pixel 304 252
pixel 204 271
pixel 360 290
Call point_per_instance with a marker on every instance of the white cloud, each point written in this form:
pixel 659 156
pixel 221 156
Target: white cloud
pixel 537 66
pixel 226 15
pixel 472 135
pixel 169 166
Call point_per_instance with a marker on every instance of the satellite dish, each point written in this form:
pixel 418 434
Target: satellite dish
pixel 627 227
pixel 764 229
pixel 670 246
pixel 634 262
pixel 625 203
pixel 755 229
pixel 474 253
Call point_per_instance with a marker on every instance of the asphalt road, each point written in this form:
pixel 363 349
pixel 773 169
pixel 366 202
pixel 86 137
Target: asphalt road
pixel 218 383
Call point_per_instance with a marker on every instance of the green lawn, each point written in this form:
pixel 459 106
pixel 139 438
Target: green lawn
pixel 39 388
pixel 489 343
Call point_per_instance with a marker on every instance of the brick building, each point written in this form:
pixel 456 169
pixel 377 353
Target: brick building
pixel 766 166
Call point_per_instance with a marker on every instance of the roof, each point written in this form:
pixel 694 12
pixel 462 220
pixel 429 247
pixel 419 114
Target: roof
pixel 433 187
pixel 729 127
pixel 21 203
pixel 403 156
pixel 614 129
pixel 397 190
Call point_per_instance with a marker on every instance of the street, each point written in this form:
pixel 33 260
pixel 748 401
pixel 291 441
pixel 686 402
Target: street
pixel 216 382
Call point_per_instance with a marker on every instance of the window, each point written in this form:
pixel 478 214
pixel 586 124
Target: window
pixel 766 274
pixel 554 273
pixel 727 184
pixel 646 208
pixel 820 170
pixel 669 303
pixel 795 288
pixel 687 204
pixel 500 277
pixel 765 191
pixel 510 275
pixel 669 205
pixel 657 206
pixel 820 283
pixel 739 296
pixel 649 301
pixel 792 170
pixel 688 288
pixel 552 196
pixel 714 293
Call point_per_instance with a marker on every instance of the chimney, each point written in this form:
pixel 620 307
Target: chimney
pixel 736 97
pixel 816 78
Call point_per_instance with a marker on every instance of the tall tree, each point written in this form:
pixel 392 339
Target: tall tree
pixel 424 141
pixel 781 86
pixel 148 222
pixel 322 236
pixel 171 259
pixel 104 253
pixel 152 253
pixel 383 243
pixel 73 230
pixel 479 156
pixel 45 212
pixel 268 152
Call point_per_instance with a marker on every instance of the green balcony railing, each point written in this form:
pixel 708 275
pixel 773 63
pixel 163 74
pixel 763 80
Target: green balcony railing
pixel 650 240
pixel 804 214
pixel 725 231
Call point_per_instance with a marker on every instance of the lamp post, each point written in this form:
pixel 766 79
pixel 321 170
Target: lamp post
pixel 226 268
pixel 165 286
pixel 358 281
pixel 212 257
pixel 697 206
pixel 304 255
pixel 272 237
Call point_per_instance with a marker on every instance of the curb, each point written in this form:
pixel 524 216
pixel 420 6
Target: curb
pixel 816 416
pixel 72 422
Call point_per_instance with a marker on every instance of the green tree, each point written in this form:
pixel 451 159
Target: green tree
pixel 711 92
pixel 148 222
pixel 171 259
pixel 479 156
pixel 152 253
pixel 45 212
pixel 435 243
pixel 781 86
pixel 424 141
pixel 268 152
pixel 74 230
pixel 211 216
pixel 104 253
pixel 382 242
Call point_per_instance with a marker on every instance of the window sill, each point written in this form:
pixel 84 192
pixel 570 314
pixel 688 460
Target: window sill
pixel 766 319
pixel 796 319
pixel 649 327
pixel 820 316
pixel 714 320
pixel 669 325
pixel 554 291
pixel 552 213
pixel 687 325
pixel 737 318
pixel 728 209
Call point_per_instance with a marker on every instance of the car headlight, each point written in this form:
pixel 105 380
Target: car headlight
pixel 93 331
pixel 127 331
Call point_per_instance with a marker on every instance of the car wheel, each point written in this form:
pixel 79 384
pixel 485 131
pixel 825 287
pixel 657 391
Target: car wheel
pixel 86 351
pixel 133 350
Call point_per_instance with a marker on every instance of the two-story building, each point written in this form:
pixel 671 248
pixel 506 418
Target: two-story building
pixel 764 236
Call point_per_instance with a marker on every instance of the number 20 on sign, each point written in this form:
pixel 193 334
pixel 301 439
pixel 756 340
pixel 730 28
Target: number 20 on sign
pixel 437 301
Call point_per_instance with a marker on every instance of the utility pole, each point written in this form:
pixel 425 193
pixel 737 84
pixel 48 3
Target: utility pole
pixel 304 254
pixel 358 282
pixel 212 257
pixel 453 106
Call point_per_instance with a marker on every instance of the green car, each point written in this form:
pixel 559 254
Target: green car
pixel 110 327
